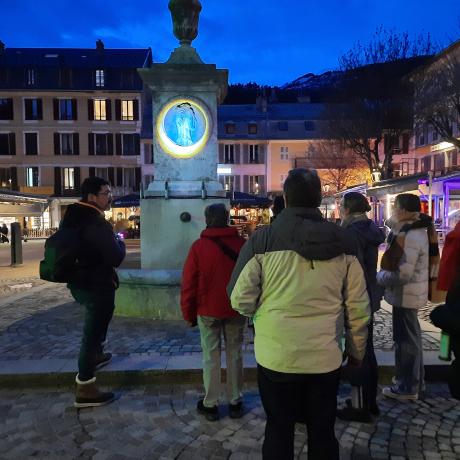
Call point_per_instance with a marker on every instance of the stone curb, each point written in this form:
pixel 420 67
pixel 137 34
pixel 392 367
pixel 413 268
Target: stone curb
pixel 433 373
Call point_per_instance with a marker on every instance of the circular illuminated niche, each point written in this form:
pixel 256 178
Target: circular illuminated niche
pixel 183 127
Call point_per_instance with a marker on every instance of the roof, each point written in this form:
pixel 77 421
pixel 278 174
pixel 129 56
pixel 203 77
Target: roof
pixel 72 69
pixel 90 58
pixel 279 121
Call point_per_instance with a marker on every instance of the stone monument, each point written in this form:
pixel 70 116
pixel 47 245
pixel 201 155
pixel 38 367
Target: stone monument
pixel 185 95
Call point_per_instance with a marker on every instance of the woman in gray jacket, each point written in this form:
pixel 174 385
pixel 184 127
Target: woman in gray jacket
pixel 404 275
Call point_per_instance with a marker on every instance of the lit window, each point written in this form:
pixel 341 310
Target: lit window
pixel 69 178
pixel 100 78
pixel 229 183
pixel 127 110
pixel 252 128
pixel 100 112
pixel 254 184
pixel 32 177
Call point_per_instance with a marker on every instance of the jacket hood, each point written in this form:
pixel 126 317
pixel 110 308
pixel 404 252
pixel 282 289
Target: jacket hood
pixel 369 231
pixel 215 232
pixel 306 232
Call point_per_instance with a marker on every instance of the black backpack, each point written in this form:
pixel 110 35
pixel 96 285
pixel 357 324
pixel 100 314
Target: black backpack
pixel 61 255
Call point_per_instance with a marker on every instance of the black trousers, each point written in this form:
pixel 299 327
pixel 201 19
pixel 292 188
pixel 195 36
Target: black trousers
pixel 369 371
pixel 99 306
pixel 287 398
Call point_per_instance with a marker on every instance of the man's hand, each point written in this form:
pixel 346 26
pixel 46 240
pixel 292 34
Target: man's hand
pixel 192 323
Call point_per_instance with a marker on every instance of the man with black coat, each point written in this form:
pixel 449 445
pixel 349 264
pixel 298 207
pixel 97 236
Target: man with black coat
pixel 94 283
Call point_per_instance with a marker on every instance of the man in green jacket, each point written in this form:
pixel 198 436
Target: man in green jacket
pixel 301 282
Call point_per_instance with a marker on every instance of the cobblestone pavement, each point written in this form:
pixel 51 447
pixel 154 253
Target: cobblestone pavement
pixel 161 423
pixel 48 324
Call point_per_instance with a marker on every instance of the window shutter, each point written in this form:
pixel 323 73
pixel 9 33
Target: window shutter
pixel 14 178
pixel 237 154
pixel 237 184
pixel 12 142
pixel 109 144
pixel 77 179
pixel 76 144
pixel 111 172
pixel 108 109
pixel 92 171
pixel 11 109
pixel 136 109
pixel 221 153
pixel 57 146
pixel 137 144
pixel 262 153
pixel 137 178
pixel 245 154
pixel 118 143
pixel 117 109
pixel 90 143
pixel 261 182
pixel 90 109
pixel 40 109
pixel 119 177
pixel 57 181
pixel 405 143
pixel 74 110
pixel 246 183
pixel 56 109
pixel 28 108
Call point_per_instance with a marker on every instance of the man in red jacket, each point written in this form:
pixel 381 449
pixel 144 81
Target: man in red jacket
pixel 204 300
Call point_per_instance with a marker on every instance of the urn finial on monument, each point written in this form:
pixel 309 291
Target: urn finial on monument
pixel 185 15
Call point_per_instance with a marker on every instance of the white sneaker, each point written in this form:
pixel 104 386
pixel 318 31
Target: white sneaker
pixel 393 392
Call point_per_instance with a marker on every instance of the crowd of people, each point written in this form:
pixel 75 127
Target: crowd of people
pixel 311 288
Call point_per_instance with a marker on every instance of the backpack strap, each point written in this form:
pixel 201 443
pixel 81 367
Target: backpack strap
pixel 228 251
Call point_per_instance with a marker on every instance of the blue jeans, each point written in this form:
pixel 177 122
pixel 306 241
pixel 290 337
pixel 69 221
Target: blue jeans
pixel 407 337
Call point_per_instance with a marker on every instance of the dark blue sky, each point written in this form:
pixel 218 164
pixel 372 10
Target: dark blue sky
pixel 268 41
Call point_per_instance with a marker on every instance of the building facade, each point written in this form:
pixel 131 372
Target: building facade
pixel 66 114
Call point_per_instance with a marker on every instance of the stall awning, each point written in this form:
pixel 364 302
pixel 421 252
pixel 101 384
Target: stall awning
pixel 126 201
pixel 396 185
pixel 250 201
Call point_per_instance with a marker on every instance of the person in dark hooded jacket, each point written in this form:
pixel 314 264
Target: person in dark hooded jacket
pixel 94 283
pixel 368 237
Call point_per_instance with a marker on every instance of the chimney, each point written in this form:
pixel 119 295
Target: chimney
pixel 99 45
pixel 261 103
pixel 2 47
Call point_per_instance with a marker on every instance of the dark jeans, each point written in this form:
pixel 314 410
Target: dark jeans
pixel 370 372
pixel 99 306
pixel 407 336
pixel 287 398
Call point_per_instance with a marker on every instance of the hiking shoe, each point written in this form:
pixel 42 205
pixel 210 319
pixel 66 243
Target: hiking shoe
pixel 373 409
pixel 352 414
pixel 395 393
pixel 88 395
pixel 236 410
pixel 102 359
pixel 211 413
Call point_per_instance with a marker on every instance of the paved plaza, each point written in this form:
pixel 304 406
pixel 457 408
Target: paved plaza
pixel 40 330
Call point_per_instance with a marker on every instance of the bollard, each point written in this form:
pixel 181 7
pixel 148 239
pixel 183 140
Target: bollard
pixel 16 245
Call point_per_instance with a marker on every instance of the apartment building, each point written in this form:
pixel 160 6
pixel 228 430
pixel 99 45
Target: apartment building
pixel 66 114
pixel 259 143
